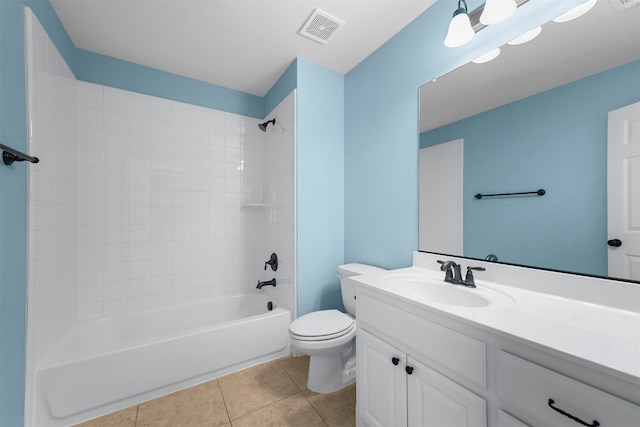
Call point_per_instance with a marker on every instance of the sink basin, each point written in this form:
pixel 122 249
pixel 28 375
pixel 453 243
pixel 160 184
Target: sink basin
pixel 436 291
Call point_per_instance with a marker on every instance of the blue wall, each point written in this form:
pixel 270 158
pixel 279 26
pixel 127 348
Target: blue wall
pixel 320 186
pixel 108 71
pixel 381 126
pixel 556 140
pixel 287 82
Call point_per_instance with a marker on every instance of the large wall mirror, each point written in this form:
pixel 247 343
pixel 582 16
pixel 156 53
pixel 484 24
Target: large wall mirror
pixel 533 118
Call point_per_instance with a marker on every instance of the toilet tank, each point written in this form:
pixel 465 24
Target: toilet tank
pixel 348 286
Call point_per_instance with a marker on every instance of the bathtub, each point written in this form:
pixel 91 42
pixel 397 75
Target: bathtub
pixel 113 363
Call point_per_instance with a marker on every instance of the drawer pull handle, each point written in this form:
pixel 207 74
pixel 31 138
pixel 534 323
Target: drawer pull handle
pixel 576 419
pixel 395 360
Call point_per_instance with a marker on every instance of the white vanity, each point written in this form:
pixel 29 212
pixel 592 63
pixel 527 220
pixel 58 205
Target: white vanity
pixel 548 349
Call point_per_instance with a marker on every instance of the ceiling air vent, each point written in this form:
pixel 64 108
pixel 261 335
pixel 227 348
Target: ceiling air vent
pixel 622 5
pixel 321 26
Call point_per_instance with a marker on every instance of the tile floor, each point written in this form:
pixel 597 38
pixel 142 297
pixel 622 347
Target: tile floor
pixel 271 394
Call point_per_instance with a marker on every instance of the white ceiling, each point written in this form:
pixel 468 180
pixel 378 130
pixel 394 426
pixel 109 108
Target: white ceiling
pixel 239 44
pixel 600 40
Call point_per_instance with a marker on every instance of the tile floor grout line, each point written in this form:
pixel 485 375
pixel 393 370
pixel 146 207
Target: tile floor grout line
pixel 135 423
pixel 302 391
pixel 290 377
pixel 267 405
pixel 223 400
pixel 315 409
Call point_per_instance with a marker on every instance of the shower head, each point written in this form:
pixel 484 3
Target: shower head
pixel 263 126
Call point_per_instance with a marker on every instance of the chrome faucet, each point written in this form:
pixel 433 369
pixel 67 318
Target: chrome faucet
pixel 453 274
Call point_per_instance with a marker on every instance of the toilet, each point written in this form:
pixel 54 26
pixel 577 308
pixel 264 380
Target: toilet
pixel 328 337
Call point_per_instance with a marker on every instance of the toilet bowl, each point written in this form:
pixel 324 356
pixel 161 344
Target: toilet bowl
pixel 328 337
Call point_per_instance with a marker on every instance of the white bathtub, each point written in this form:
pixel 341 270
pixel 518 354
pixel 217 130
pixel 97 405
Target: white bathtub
pixel 113 363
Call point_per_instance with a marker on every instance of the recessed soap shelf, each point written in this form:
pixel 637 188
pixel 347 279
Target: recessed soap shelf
pixel 252 205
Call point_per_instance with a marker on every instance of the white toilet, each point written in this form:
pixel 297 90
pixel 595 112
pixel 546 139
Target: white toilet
pixel 328 337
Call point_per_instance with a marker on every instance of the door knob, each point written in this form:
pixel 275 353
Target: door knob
pixel 614 242
pixel 408 369
pixel 395 360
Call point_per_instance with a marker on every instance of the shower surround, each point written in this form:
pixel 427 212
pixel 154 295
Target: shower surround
pixel 141 203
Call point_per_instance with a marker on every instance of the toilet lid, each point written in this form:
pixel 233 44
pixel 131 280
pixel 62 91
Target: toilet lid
pixel 321 324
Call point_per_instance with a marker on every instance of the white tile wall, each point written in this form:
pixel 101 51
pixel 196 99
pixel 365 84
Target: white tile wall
pixel 52 198
pixel 440 201
pixel 159 202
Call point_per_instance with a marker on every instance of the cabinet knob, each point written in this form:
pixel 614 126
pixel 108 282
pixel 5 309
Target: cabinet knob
pixel 408 369
pixel 395 360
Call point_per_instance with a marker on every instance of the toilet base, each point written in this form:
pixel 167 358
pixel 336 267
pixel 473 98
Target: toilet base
pixel 331 372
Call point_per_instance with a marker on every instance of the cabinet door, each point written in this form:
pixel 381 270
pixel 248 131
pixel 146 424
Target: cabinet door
pixel 381 391
pixel 435 400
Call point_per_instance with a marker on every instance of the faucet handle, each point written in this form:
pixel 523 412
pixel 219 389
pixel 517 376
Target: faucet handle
pixel 468 280
pixel 273 262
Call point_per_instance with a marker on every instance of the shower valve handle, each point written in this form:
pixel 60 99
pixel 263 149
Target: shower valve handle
pixel 273 262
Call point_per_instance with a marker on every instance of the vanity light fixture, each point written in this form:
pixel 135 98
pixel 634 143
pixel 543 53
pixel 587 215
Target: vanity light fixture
pixel 460 31
pixel 497 11
pixel 576 12
pixel 465 24
pixel 486 57
pixel 526 37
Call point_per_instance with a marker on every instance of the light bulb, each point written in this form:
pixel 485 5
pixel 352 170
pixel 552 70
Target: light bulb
pixel 491 55
pixel 497 11
pixel 576 12
pixel 526 37
pixel 460 31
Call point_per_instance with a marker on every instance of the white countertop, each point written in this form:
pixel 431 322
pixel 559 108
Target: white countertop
pixel 604 335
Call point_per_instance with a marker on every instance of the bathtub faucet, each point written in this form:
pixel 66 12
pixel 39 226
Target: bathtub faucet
pixel 271 282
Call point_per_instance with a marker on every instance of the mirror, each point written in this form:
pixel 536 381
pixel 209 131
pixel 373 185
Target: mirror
pixel 535 118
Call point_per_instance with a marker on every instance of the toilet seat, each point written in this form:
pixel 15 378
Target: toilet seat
pixel 321 326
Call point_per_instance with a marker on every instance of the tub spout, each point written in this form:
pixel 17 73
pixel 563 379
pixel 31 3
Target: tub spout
pixel 271 282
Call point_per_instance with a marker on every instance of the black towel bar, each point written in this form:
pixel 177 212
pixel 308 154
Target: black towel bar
pixel 10 155
pixel 540 192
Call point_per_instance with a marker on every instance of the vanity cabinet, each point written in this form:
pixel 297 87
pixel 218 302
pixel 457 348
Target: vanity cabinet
pixel 395 389
pixel 405 369
pixel 418 367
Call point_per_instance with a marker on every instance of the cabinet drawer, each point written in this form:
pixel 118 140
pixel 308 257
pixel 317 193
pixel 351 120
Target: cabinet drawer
pixel 532 390
pixel 454 354
pixel 506 420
